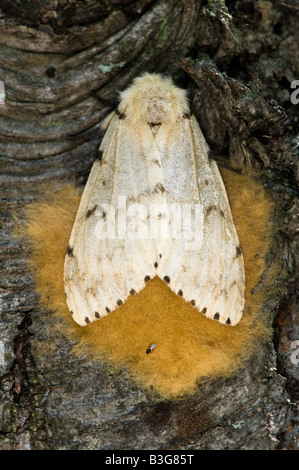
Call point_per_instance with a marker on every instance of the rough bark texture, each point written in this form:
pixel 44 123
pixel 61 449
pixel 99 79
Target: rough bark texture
pixel 62 64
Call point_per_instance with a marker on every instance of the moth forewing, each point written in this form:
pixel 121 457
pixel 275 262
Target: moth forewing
pixel 204 272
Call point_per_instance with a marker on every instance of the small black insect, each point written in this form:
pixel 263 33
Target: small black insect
pixel 151 348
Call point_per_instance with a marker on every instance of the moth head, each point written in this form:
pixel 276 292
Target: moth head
pixel 153 99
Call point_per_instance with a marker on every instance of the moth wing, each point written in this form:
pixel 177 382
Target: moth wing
pixel 103 266
pixel 203 261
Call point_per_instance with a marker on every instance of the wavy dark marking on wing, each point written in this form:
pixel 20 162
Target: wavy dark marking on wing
pixel 90 212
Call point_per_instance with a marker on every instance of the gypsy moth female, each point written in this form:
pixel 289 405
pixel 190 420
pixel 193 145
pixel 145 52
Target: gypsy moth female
pixel 154 205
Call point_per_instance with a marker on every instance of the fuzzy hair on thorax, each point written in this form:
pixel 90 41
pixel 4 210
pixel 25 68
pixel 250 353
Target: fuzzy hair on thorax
pixel 153 99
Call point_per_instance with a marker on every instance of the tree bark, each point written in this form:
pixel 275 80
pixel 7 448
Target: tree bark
pixel 63 64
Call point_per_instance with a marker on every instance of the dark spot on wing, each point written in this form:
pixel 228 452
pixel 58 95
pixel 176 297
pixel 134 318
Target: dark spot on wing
pixel 72 313
pixel 238 251
pixel 210 209
pixel 69 251
pixel 221 213
pixel 100 155
pixel 204 310
pixel 157 162
pixel 167 279
pixel 192 303
pixel 87 320
pixel 147 278
pixel 120 115
pixel 103 214
pixel 156 264
pixel 160 255
pixel 228 322
pixel 207 182
pixel 108 310
pixel 91 211
pixel 132 292
pixel 216 316
pixel 159 188
pixel 119 302
pixel 96 314
pixel 180 293
pixel 186 115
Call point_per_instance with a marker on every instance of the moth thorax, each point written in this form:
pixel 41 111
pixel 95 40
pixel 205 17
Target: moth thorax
pixel 155 109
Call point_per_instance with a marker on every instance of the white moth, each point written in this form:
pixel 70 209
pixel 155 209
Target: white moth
pixel 154 205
